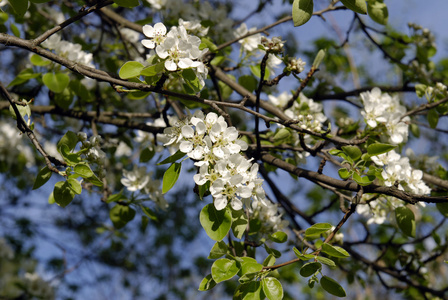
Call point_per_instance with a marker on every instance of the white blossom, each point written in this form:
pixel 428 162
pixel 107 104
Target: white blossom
pixel 251 42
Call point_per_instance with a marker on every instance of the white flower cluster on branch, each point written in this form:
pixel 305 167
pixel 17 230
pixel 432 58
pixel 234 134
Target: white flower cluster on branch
pixel 68 50
pixel 232 178
pixel 382 108
pixel 177 48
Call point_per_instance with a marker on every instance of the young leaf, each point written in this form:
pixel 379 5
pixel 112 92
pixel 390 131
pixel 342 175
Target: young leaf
pixel 319 58
pixel 379 148
pixel 269 261
pixel 70 139
pixel 62 193
pixel 302 10
pixel 176 156
pixel 120 215
pixel 272 288
pixel 331 286
pixel 223 269
pixel 42 177
pixel 353 151
pixel 344 173
pixel 216 223
pixel 19 6
pixel 310 268
pixel 56 82
pixel 239 223
pixel 207 283
pixel 326 261
pixel 39 61
pixel 318 228
pixel 278 237
pixel 334 251
pixel 405 220
pixel 149 212
pixel 219 249
pixel 170 177
pixel 433 118
pixel 147 154
pixel 358 6
pixel 249 290
pixel 75 185
pixel 83 170
pixel 377 11
pixel 130 69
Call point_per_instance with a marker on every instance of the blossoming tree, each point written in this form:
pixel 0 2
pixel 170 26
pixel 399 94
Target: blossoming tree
pixel 155 126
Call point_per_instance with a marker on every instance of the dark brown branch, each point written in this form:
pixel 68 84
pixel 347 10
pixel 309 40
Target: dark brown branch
pixel 23 127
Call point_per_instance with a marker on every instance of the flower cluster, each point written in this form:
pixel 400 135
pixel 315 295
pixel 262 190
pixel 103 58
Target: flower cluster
pixel 177 48
pixel 140 180
pixel 13 148
pixel 296 65
pixel 275 45
pixel 397 169
pixel 381 108
pixel 377 209
pixel 215 148
pixel 93 151
pixel 251 42
pixel 68 50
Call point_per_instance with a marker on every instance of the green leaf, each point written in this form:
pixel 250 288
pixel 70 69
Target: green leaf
pixel 39 61
pixel 319 58
pixel 365 180
pixel 23 77
pixel 334 251
pixel 130 69
pixel 358 6
pixel 120 215
pixel 223 269
pixel 443 208
pixel 116 197
pixel 249 265
pixel 332 287
pixel 326 261
pixel 269 261
pixel 249 291
pixel 207 283
pixel 406 220
pixel 344 173
pixel 433 118
pixel 153 70
pixel 149 213
pixel 191 80
pixel 176 156
pixel 127 3
pixel 279 237
pixel 317 229
pixel 51 199
pixel 420 89
pixel 310 268
pixel 281 134
pixel 239 223
pixel 379 148
pixel 219 249
pixel 95 180
pixel 62 193
pixel 15 30
pixel 216 223
pixel 42 177
pixel 70 158
pixel 83 170
pixel 75 185
pixel 272 288
pixel 249 82
pixel 147 154
pixel 302 10
pixel 378 12
pixel 56 82
pixel 353 151
pixel 170 177
pixel 19 6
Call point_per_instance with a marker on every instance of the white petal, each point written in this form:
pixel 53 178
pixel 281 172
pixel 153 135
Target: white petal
pixel 148 30
pixel 236 204
pixel 149 44
pixel 170 65
pixel 187 131
pixel 220 202
pixel 186 146
pixel 160 29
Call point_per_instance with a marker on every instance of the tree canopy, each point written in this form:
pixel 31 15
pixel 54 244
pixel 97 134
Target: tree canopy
pixel 171 149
